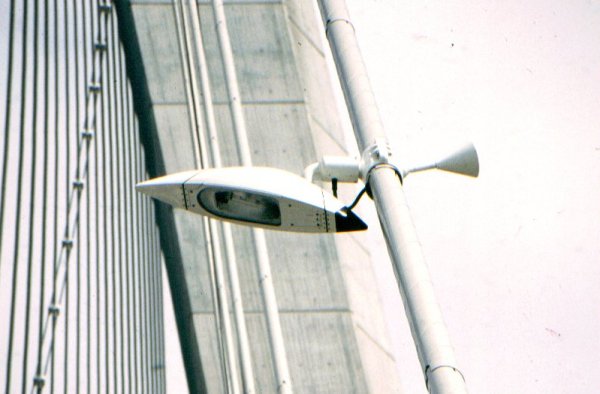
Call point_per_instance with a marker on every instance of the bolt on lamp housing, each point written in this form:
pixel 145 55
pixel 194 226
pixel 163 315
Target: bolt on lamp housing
pixel 256 196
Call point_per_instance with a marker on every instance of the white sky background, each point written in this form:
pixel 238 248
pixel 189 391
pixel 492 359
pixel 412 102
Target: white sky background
pixel 515 254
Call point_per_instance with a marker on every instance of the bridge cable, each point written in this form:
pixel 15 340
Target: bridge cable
pixel 15 267
pixel 7 119
pixel 91 99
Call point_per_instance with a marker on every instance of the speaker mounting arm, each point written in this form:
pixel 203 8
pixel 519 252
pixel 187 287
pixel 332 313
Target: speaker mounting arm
pixel 462 161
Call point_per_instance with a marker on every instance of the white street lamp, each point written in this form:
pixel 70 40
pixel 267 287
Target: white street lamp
pixel 257 196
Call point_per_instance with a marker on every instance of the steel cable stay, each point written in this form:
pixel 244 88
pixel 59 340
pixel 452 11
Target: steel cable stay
pixel 71 229
pixel 16 248
pixel 150 289
pixel 126 349
pixel 106 233
pixel 135 255
pixel 73 218
pixel 7 119
pixel 141 295
pixel 37 381
pixel 148 297
pixel 137 295
pixel 147 387
pixel 158 366
pixel 159 306
pixel 69 157
pixel 153 281
pixel 122 188
pixel 124 300
pixel 136 271
pixel 96 33
pixel 119 130
pixel 86 214
pixel 140 252
pixel 112 163
pixel 126 179
pixel 145 296
pixel 69 194
pixel 135 172
pixel 53 309
pixel 79 189
pixel 32 188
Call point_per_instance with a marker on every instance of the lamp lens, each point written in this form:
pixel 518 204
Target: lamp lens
pixel 243 206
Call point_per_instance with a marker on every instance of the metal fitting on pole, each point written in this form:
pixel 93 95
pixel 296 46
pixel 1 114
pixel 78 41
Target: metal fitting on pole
pixel 377 155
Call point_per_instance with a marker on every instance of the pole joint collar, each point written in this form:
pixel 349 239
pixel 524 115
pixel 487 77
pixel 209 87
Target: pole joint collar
pixel 429 370
pixel 375 156
pixel 330 22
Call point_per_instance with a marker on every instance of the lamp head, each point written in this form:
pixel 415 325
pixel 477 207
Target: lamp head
pixel 256 196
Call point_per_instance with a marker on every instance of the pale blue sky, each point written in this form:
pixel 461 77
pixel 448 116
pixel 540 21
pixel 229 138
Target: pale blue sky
pixel 515 254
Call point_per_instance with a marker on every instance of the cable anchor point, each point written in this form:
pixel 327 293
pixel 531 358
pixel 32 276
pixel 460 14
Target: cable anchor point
pixel 39 381
pixel 105 7
pixel 54 310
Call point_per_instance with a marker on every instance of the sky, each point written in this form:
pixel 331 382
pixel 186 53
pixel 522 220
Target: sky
pixel 514 255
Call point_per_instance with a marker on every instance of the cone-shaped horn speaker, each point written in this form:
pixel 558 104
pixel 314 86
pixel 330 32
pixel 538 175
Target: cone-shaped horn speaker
pixel 463 161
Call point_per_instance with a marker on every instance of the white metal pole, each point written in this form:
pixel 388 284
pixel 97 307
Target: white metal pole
pixel 284 383
pixel 428 329
pixel 238 309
